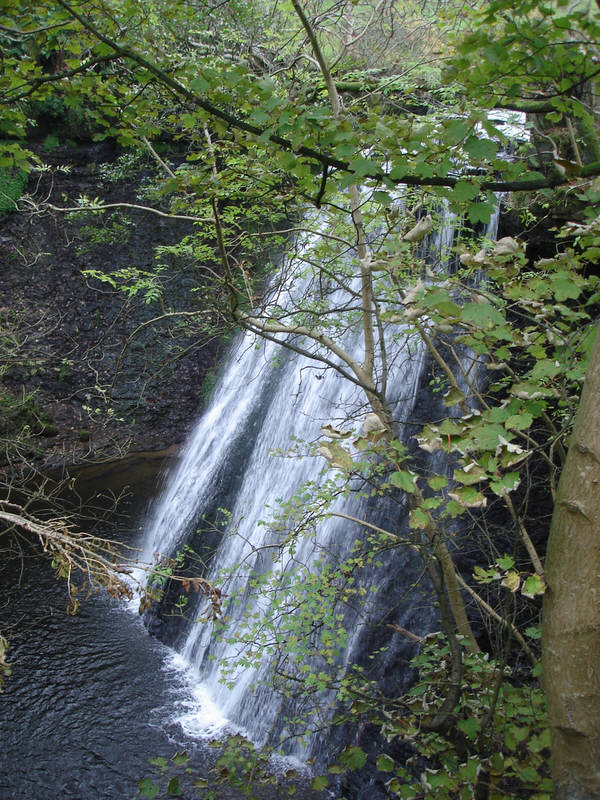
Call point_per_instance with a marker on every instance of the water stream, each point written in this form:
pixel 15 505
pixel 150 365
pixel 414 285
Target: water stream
pixel 92 697
pixel 267 401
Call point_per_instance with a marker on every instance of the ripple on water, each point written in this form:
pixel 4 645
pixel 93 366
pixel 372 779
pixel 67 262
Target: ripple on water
pixel 92 698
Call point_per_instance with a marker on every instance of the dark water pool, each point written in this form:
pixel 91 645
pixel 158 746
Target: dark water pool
pixel 78 713
pixel 89 700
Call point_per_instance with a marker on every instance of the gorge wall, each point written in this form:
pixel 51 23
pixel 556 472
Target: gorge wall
pixel 94 390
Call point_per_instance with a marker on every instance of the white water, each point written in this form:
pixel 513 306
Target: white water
pixel 280 397
pixel 236 395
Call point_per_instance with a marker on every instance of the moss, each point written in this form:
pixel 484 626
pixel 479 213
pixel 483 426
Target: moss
pixel 210 380
pixel 591 141
pixel 18 414
pixel 51 142
pixel 12 184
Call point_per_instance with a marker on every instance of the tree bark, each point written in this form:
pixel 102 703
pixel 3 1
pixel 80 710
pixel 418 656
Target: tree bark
pixel 571 618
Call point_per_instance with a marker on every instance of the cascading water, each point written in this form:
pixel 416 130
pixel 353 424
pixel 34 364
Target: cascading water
pixel 301 403
pixel 238 457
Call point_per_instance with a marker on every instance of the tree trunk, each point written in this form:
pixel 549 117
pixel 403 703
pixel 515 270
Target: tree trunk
pixel 571 628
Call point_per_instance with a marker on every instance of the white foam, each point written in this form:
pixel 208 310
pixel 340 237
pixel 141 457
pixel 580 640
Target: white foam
pixel 198 716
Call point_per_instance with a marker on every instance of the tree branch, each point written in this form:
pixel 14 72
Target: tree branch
pixel 104 207
pixel 379 174
pixel 272 326
pixel 494 614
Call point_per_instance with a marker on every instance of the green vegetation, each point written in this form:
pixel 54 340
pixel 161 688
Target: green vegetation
pixel 501 735
pixel 18 414
pixel 280 106
pixel 12 184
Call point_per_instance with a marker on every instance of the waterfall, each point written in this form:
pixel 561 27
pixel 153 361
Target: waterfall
pixel 266 400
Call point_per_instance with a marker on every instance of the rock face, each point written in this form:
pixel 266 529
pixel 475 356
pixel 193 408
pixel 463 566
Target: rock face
pixel 104 381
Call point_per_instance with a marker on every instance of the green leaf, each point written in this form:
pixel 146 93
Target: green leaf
pixel 454 396
pixel 468 497
pixel 546 368
pixel 482 575
pixel 432 502
pixel 399 169
pixel 506 562
pixel 497 763
pixel 489 436
pixel 173 787
pixel 385 763
pixel 287 160
pixel 469 770
pixel 440 300
pixel 383 198
pixel 439 780
pixel 483 149
pixel 418 519
pixel 404 480
pixel 515 734
pixel 456 130
pixel 353 757
pixel 480 212
pixel 320 782
pixel 483 315
pixel 505 485
pixel 534 585
pixel 147 788
pixel 519 422
pixel 259 116
pixel 266 85
pixel 564 287
pixel 465 190
pixel 199 85
pixel 470 475
pixel 529 775
pixel 363 167
pixel 470 727
pixel 533 632
pixel 527 390
pixel 454 509
pixel 160 762
pixel 498 414
pixel 438 482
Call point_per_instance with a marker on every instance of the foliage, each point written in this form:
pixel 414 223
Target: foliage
pixel 259 138
pixel 12 184
pixel 238 764
pixel 115 229
pixel 22 418
pixel 501 737
pixel 532 77
pixel 21 413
